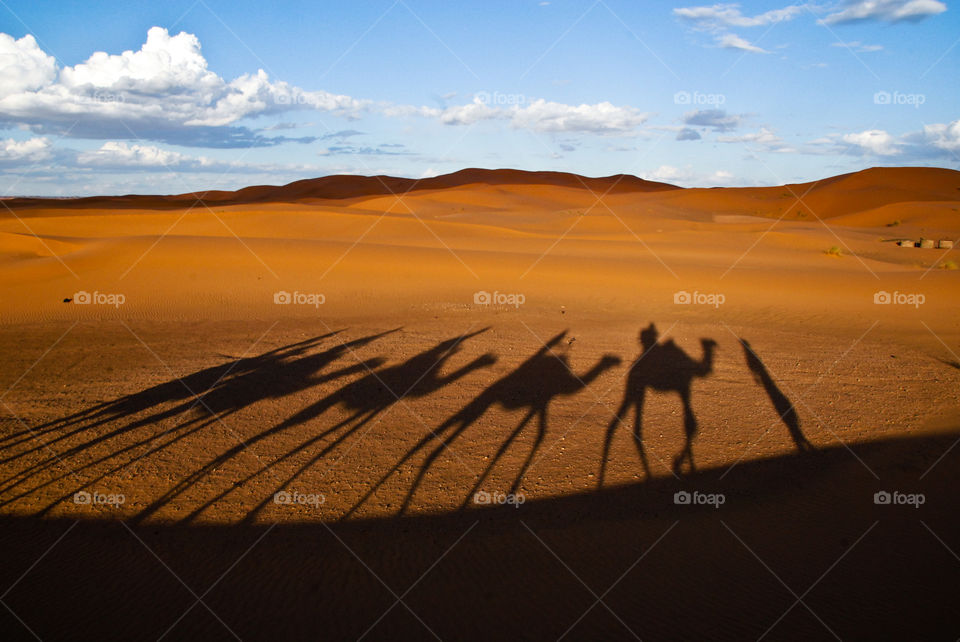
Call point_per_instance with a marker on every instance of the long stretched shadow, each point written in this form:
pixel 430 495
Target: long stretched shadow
pixel 366 398
pixel 782 404
pixel 532 385
pixel 665 367
pixel 228 389
pixel 182 390
pixel 179 389
pixel 952 364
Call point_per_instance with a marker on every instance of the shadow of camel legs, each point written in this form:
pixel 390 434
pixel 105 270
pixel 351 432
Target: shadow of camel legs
pixel 455 425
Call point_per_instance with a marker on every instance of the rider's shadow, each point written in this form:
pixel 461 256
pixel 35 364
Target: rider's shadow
pixel 664 367
pixel 781 403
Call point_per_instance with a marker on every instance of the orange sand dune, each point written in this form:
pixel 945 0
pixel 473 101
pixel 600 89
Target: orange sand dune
pixel 836 196
pixel 898 195
pixel 620 243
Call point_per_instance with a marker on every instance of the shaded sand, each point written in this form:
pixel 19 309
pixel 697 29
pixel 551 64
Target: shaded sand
pixel 198 398
pixel 664 571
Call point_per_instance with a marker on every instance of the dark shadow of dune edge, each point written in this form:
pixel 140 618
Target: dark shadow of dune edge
pixel 619 563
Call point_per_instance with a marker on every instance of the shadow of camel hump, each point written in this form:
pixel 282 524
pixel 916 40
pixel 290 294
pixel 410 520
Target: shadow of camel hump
pixel 182 389
pixel 369 396
pixel 268 380
pixel 664 367
pixel 230 386
pixel 532 385
pixel 783 405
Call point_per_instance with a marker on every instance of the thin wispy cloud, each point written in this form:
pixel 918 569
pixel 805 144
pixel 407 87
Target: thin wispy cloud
pixel 722 16
pixel 733 41
pixel 716 119
pixel 857 46
pixel 885 10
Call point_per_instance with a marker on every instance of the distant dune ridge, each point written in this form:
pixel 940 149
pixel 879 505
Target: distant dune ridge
pixel 349 186
pixel 837 195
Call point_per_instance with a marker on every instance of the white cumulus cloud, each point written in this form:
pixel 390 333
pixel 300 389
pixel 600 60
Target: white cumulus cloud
pixel 601 118
pixel 32 149
pixel 23 65
pixel 113 153
pixel 158 92
pixel 874 141
pixel 943 136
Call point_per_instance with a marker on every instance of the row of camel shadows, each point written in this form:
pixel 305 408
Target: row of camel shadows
pixel 131 422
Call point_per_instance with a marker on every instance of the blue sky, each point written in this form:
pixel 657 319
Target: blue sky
pixel 136 97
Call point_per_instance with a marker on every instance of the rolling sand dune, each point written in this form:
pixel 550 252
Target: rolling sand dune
pixel 384 348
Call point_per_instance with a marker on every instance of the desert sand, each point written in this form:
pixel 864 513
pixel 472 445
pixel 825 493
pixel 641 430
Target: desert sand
pixel 331 341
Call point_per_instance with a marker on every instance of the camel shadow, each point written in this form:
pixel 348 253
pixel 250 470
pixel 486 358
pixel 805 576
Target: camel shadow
pixel 531 386
pixel 180 389
pixel 200 400
pixel 266 383
pixel 664 367
pixel 210 395
pixel 365 398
